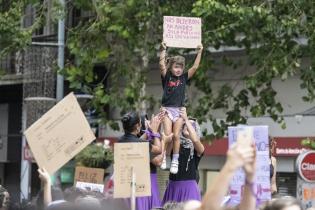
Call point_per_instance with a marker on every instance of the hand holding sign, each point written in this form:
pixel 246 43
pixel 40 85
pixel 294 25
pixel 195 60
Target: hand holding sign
pixel 245 136
pixel 250 167
pixel 44 176
pixel 238 156
pixel 248 137
pixel 163 46
pixel 200 48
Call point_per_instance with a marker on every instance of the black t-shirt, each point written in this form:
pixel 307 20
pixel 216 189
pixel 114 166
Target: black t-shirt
pixel 128 137
pixel 174 89
pixel 192 168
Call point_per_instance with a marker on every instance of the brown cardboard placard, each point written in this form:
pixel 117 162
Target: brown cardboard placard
pixel 59 134
pixel 182 32
pixel 89 175
pixel 126 157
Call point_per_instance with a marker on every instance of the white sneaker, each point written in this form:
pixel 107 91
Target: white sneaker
pixel 163 165
pixel 174 167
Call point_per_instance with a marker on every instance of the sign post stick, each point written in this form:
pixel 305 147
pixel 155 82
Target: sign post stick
pixel 133 189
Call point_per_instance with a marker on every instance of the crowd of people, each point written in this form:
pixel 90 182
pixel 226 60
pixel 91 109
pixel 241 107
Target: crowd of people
pixel 182 192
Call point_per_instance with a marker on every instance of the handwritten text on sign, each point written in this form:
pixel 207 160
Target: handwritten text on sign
pixel 126 157
pixel 59 134
pixel 182 32
pixel 89 175
pixel 262 182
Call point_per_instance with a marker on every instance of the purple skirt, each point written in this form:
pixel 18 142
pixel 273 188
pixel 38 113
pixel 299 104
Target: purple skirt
pixel 181 191
pixel 149 202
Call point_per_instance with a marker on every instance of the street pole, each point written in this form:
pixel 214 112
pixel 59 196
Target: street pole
pixel 60 61
pixel 25 164
pixel 25 175
pixel 61 52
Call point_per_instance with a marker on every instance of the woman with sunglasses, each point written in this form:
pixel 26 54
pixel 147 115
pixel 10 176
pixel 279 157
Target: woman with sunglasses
pixel 183 185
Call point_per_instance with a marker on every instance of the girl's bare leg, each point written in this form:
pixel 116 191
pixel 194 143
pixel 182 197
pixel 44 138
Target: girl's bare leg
pixel 177 128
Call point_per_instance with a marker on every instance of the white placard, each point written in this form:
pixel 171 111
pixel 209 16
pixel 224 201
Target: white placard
pixel 182 32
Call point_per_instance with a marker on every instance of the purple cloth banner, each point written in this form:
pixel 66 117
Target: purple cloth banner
pixel 262 180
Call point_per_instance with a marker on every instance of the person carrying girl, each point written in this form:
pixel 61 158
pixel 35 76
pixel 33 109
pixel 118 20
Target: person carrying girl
pixel 174 81
pixel 131 122
pixel 183 186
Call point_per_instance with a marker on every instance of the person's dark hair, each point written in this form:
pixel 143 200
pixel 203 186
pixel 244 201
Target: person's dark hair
pixel 281 203
pixel 61 206
pixel 28 206
pixel 88 202
pixel 95 194
pixel 129 121
pixel 2 195
pixel 15 206
pixel 72 193
pixel 143 117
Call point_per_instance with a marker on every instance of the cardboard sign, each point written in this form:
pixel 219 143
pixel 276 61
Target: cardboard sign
pixel 90 186
pixel 126 157
pixel 182 32
pixel 59 134
pixel 262 180
pixel 89 175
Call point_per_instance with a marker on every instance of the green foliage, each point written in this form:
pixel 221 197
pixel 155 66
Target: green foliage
pixel 13 36
pixel 124 36
pixel 268 31
pixel 95 156
pixel 309 143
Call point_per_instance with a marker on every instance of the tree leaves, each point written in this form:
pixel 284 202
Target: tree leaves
pixel 123 36
pixel 269 33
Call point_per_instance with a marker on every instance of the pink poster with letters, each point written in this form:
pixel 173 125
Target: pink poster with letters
pixel 261 187
pixel 182 32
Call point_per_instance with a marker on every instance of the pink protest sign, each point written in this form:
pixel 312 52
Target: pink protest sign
pixel 261 185
pixel 182 32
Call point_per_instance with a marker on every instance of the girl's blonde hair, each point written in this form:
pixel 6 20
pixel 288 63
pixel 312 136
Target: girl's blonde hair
pixel 175 59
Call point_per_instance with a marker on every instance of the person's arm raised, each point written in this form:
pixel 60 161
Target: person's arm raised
pixel 236 158
pixel 154 127
pixel 162 59
pixel 194 68
pixel 46 182
pixel 192 133
pixel 273 178
pixel 248 201
pixel 157 161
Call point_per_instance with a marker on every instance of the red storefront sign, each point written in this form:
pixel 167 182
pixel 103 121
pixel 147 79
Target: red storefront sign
pixel 285 146
pixel 306 166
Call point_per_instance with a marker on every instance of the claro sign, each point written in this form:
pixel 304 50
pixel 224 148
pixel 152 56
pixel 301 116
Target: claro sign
pixel 305 164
